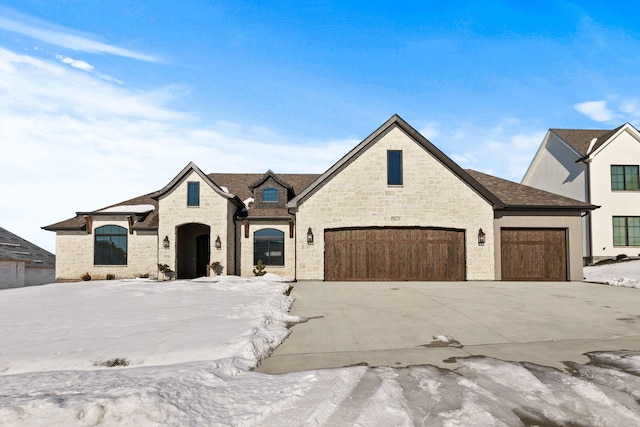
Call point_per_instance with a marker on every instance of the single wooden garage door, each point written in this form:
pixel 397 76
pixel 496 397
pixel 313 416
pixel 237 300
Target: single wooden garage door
pixel 390 254
pixel 534 254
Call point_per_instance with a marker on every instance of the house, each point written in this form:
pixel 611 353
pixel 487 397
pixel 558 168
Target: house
pixel 393 208
pixel 599 167
pixel 22 263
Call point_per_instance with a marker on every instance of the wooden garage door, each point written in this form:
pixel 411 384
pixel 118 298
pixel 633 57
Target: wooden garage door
pixel 389 254
pixel 534 254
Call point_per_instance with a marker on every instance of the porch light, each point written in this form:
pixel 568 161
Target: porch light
pixel 309 236
pixel 481 237
pixel 218 243
pixel 165 242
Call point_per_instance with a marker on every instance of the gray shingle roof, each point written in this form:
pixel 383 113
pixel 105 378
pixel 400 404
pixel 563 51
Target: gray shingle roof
pixel 15 248
pixel 518 196
pixel 236 183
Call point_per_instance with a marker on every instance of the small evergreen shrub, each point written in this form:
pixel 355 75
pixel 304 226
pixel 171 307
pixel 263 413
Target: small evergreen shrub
pixel 260 268
pixel 217 267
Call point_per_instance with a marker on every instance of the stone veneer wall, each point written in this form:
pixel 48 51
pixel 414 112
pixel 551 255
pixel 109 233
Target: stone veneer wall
pixel 214 211
pixel 246 249
pixel 431 196
pixel 74 253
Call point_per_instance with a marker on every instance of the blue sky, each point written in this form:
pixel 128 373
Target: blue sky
pixel 103 101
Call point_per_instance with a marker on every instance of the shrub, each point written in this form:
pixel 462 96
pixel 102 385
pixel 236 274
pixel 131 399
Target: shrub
pixel 217 268
pixel 86 276
pixel 111 276
pixel 112 363
pixel 260 268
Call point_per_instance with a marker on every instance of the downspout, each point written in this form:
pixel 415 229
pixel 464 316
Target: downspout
pixel 589 217
pixel 587 161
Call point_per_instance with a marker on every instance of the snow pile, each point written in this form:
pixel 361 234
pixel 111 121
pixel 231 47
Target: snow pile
pixel 626 273
pixel 82 325
pixel 138 209
pixel 191 345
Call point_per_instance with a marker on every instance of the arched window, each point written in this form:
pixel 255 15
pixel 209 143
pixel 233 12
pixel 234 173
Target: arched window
pixel 268 246
pixel 110 245
pixel 270 194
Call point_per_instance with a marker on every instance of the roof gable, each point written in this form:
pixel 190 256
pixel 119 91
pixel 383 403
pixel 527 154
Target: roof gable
pixel 269 174
pixel 192 168
pixel 588 141
pixel 394 122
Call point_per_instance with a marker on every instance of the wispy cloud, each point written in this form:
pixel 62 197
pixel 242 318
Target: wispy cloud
pixel 85 66
pixel 503 150
pixel 595 110
pixel 66 38
pixel 80 143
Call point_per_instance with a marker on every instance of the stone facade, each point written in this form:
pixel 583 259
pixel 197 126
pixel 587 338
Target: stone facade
pixel 214 211
pixel 353 193
pixel 431 196
pixel 75 251
pixel 246 249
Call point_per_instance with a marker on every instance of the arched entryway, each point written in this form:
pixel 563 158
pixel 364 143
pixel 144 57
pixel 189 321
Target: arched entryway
pixel 193 250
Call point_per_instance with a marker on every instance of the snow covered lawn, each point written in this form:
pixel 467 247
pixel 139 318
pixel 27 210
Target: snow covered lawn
pixel 625 273
pixel 191 345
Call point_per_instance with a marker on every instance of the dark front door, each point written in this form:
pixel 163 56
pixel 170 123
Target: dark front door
pixel 202 255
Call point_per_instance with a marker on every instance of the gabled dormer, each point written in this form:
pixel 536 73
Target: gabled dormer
pixel 270 192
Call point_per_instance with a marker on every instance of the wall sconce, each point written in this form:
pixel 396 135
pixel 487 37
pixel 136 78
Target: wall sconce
pixel 309 236
pixel 481 237
pixel 165 242
pixel 218 243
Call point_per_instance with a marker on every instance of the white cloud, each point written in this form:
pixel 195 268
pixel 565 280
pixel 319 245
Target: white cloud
pixel 79 143
pixel 595 110
pixel 502 149
pixel 430 130
pixel 64 38
pixel 81 65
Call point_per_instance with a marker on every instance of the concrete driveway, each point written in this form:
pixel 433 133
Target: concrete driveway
pixel 400 324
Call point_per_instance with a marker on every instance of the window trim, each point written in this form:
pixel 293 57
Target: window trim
pixel 193 194
pixel 275 190
pixel 269 239
pixel 395 178
pixel 627 175
pixel 626 229
pixel 121 232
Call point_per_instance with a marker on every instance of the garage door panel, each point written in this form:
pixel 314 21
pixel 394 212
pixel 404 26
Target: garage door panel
pixel 534 254
pixel 394 254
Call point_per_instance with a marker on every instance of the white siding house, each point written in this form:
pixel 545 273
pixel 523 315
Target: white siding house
pixel 598 167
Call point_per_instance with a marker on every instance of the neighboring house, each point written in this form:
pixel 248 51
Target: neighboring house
pixel 393 208
pixel 599 167
pixel 22 263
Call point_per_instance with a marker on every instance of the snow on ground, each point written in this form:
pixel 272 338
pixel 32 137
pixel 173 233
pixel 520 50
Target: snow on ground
pixel 625 273
pixel 191 346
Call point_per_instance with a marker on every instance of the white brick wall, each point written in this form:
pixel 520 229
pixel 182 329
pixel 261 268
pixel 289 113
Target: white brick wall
pixel 431 196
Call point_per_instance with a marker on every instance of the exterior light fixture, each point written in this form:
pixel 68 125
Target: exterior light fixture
pixel 309 236
pixel 482 238
pixel 165 242
pixel 218 243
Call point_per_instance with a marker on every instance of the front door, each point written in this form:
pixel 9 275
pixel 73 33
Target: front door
pixel 202 255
